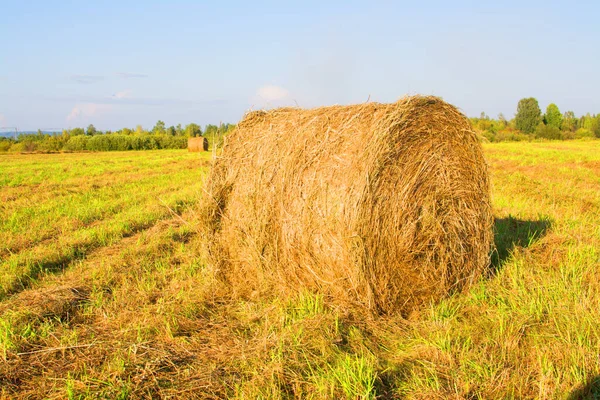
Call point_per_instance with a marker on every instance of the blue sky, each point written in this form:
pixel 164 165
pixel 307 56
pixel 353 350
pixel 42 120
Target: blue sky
pixel 122 63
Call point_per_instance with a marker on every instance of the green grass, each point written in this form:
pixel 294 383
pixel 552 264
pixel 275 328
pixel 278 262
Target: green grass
pixel 104 293
pixel 58 208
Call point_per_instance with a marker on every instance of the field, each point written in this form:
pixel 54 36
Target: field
pixel 104 294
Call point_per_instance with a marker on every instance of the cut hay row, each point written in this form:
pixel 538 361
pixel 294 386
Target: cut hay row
pixel 385 206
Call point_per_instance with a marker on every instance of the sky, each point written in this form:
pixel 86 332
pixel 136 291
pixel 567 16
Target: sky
pixel 122 63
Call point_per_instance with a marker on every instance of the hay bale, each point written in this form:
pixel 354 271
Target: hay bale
pixel 197 144
pixel 381 205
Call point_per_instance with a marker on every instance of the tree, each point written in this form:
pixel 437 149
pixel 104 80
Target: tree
pixel 210 130
pixel 77 132
pixel 179 130
pixel 586 121
pixel 569 122
pixel 528 115
pixel 91 130
pixel 171 131
pixel 226 128
pixel 553 117
pixel 502 120
pixel 193 130
pixel 159 128
pixel 595 125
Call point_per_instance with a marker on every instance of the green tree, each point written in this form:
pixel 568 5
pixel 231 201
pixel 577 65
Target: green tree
pixel 226 128
pixel 193 130
pixel 171 131
pixel 77 132
pixel 528 115
pixel 595 125
pixel 587 121
pixel 210 130
pixel 91 130
pixel 502 120
pixel 553 117
pixel 179 130
pixel 159 128
pixel 569 122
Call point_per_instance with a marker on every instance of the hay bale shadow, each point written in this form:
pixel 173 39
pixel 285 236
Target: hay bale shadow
pixel 511 232
pixel 589 391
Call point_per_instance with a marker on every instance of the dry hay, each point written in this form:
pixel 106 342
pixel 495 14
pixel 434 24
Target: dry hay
pixel 197 144
pixel 381 205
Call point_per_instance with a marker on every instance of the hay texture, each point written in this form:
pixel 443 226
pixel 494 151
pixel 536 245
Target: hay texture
pixel 197 144
pixel 379 205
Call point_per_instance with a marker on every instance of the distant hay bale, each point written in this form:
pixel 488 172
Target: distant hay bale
pixel 379 205
pixel 197 144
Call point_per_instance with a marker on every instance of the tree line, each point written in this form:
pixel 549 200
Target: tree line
pixel 530 123
pixel 91 139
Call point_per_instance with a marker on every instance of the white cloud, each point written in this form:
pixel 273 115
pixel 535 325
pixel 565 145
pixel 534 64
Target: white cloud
pixel 122 94
pixel 86 79
pixel 272 93
pixel 129 75
pixel 87 110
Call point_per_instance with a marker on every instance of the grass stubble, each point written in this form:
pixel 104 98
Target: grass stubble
pixel 135 313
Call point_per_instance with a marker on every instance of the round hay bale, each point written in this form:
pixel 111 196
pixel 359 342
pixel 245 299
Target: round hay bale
pixel 197 144
pixel 382 205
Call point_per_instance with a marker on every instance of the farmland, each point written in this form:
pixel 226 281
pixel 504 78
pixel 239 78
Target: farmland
pixel 104 293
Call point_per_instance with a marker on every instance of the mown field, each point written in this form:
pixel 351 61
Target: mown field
pixel 104 294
